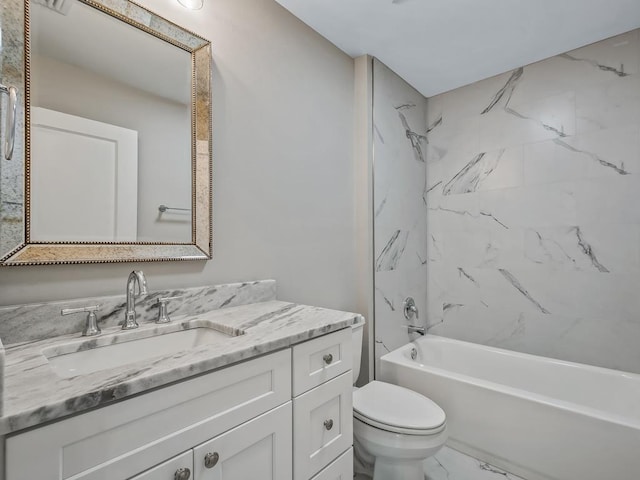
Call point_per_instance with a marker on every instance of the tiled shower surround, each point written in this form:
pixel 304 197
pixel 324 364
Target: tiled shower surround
pixel 400 150
pixel 532 205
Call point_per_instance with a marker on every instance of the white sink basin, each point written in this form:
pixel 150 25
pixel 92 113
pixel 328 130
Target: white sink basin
pixel 120 349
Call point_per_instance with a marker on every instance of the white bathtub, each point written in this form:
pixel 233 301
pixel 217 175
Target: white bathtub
pixel 533 416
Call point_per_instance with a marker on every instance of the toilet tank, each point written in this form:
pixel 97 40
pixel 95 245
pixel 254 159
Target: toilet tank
pixel 356 342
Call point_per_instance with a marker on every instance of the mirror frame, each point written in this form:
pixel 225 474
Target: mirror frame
pixel 200 247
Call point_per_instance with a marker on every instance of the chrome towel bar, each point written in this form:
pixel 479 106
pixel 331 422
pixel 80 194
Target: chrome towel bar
pixel 164 208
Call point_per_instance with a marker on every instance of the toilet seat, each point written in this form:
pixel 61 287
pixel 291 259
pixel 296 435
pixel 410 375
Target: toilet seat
pixel 397 409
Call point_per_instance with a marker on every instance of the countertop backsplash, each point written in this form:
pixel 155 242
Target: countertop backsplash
pixel 26 323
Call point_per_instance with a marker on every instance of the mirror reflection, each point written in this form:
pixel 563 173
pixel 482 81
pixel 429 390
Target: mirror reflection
pixel 111 131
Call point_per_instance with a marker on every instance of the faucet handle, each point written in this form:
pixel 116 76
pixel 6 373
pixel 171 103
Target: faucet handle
pixel 410 309
pixel 163 316
pixel 91 327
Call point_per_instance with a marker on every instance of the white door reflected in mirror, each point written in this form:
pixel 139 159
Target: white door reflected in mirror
pixel 103 205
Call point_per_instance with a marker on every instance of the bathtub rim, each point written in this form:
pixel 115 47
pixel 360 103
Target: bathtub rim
pixel 401 354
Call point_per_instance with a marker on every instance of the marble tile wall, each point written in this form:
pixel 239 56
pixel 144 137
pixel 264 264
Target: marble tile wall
pixel 533 208
pixel 400 231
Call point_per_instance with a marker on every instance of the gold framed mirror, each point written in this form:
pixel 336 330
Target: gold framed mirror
pixel 114 136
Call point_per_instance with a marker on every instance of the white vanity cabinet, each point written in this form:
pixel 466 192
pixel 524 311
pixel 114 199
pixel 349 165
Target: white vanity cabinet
pixel 259 448
pixel 322 405
pixel 241 422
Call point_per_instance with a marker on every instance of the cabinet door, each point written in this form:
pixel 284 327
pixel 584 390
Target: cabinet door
pixel 180 467
pixel 322 425
pixel 259 449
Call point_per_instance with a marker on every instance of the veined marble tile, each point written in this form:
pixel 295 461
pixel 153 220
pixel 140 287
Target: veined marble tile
pixel 390 248
pixel 482 247
pixel 614 103
pixel 508 288
pixel 540 205
pixel 472 100
pixel 400 193
pixel 401 249
pixel 391 290
pixel 537 255
pixel 520 123
pixel 618 55
pixel 434 112
pixel 534 290
pixel 553 161
pixel 587 66
pixel 608 200
pixel 454 290
pixel 611 152
pixel 603 341
pixel 436 176
pixel 461 212
pixel 453 137
pixel 449 464
pixel 604 248
pixel 570 293
pixel 485 171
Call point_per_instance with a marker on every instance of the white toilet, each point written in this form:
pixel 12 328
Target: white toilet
pixel 395 429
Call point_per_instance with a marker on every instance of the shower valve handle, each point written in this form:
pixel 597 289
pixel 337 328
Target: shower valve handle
pixel 410 309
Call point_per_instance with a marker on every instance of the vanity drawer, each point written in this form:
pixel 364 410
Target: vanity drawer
pixel 321 359
pixel 124 439
pixel 341 469
pixel 322 426
pixel 169 470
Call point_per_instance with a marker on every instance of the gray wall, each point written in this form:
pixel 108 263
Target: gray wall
pixel 283 170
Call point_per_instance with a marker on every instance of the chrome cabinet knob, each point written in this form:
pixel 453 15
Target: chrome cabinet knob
pixel 182 474
pixel 328 424
pixel 328 358
pixel 211 459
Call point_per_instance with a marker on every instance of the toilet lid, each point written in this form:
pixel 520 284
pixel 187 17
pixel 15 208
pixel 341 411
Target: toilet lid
pixel 392 407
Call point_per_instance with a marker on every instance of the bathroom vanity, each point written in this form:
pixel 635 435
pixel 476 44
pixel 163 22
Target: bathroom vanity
pixel 268 396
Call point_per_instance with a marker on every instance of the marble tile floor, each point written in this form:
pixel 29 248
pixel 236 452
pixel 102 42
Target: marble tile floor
pixel 449 464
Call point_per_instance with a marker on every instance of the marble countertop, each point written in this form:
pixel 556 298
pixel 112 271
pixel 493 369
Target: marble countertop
pixel 34 394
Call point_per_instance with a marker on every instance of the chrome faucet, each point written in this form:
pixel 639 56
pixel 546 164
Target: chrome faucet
pixel 135 277
pixel 410 311
pixel 418 330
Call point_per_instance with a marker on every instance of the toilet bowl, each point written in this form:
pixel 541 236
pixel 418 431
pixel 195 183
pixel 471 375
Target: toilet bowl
pixel 395 429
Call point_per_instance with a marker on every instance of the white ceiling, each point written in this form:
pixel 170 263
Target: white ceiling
pixel 439 45
pixel 101 44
